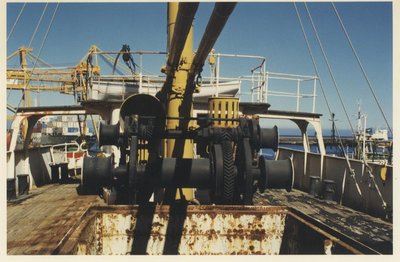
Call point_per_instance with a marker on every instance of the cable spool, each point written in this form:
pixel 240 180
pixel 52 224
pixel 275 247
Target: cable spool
pixel 108 134
pixel 96 172
pixel 223 107
pixel 278 174
pixel 269 138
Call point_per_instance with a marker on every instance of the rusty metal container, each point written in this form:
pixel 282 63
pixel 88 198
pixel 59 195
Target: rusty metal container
pixel 180 229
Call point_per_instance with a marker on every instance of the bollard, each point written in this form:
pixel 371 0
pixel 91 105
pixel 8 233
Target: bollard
pixel 329 187
pixel 55 173
pixel 11 194
pixel 64 173
pixel 23 184
pixel 314 186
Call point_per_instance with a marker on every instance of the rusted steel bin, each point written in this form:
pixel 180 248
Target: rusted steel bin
pixel 187 230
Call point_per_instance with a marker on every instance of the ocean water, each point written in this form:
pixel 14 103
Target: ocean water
pixel 330 150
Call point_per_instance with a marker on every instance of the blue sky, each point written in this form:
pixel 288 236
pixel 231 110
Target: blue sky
pixel 266 29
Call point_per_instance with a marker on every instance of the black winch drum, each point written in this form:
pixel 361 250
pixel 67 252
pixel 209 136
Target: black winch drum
pixel 278 174
pixel 269 138
pixel 108 134
pixel 96 172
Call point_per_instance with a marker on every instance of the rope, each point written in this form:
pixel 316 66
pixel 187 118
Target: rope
pixel 16 21
pixel 330 69
pixel 372 178
pixel 343 186
pixel 361 66
pixel 37 26
pixel 111 64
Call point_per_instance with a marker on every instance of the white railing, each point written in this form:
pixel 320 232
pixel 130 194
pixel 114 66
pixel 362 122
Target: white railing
pixel 298 80
pixel 260 86
pixel 59 154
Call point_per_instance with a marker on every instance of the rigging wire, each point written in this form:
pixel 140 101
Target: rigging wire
pixel 325 97
pixel 37 26
pixel 329 69
pixel 317 72
pixel 44 40
pixel 313 59
pixel 361 66
pixel 16 21
pixel 11 31
pixel 41 47
pixel 33 57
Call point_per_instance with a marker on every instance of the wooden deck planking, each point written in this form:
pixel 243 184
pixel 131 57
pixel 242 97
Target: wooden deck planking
pixel 37 224
pixel 370 231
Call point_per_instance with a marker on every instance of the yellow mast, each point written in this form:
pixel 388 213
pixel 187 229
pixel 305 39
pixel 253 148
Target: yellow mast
pixel 179 148
pixel 26 92
pixel 24 66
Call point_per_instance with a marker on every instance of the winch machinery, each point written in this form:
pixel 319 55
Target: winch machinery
pixel 229 167
pixel 164 149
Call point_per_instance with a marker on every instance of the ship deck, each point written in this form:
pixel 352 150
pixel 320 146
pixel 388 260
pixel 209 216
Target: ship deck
pixel 38 224
pixel 363 232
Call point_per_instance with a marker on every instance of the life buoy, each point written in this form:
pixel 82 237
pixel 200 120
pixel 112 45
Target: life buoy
pixel 83 146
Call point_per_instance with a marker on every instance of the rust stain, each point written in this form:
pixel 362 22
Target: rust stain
pixel 206 230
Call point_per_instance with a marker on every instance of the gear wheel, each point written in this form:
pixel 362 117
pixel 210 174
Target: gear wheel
pixel 229 174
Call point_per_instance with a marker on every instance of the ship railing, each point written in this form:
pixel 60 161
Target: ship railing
pixel 374 195
pixel 262 85
pixel 281 85
pixel 70 153
pixel 121 86
pixel 258 86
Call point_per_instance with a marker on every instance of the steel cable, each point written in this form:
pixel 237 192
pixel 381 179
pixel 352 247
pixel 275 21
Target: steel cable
pixel 325 97
pixel 37 26
pixel 16 21
pixel 12 30
pixel 313 59
pixel 361 66
pixel 41 47
pixel 44 40
pixel 329 69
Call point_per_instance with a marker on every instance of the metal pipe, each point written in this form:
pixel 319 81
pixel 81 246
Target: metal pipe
pixel 298 96
pixel 132 53
pixel 217 73
pixel 242 56
pixel 217 21
pixel 184 20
